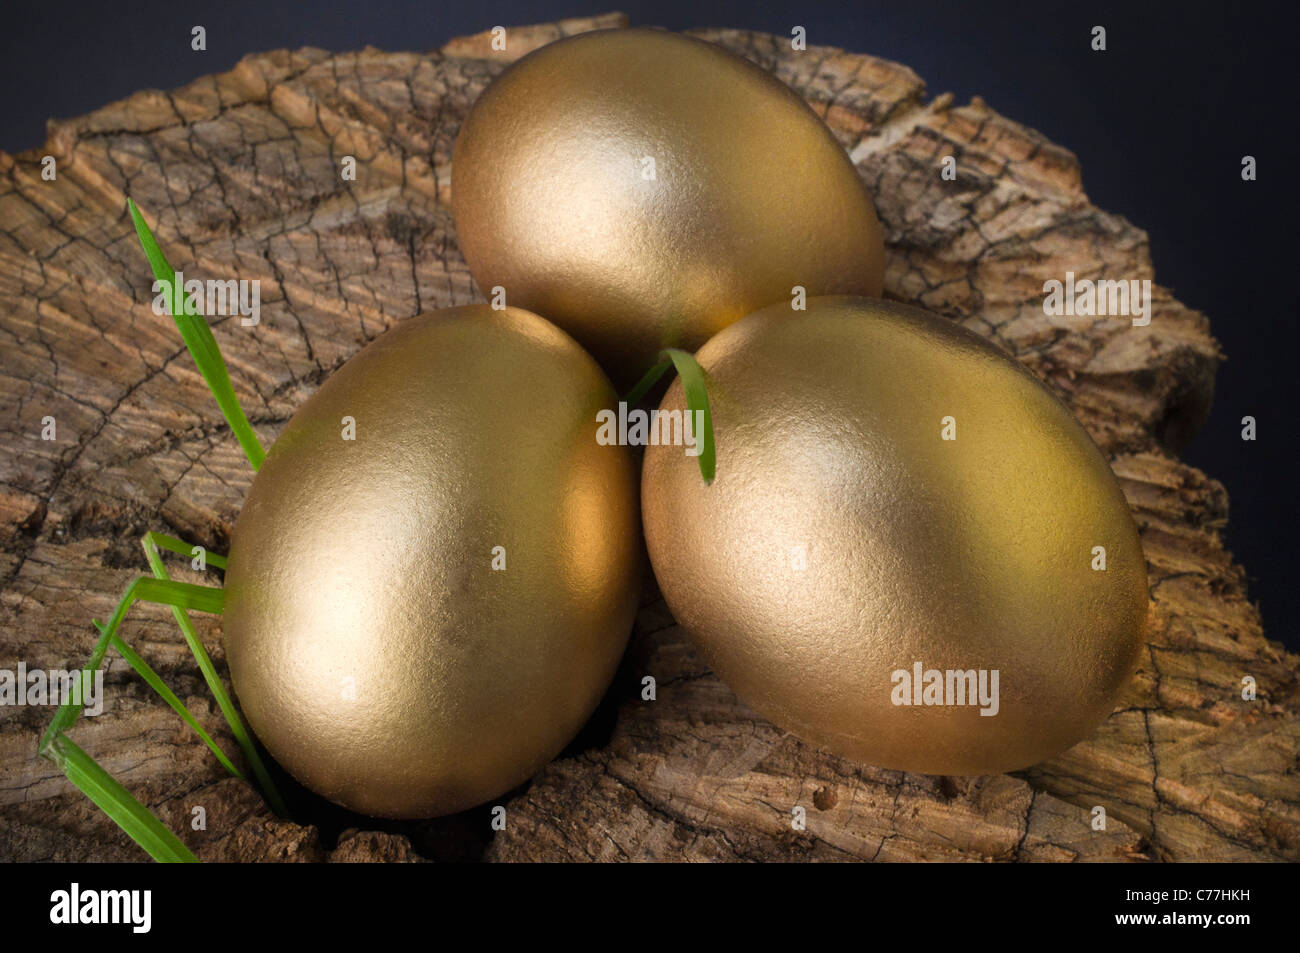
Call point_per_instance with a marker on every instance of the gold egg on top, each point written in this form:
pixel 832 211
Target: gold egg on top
pixel 912 554
pixel 644 189
pixel 419 617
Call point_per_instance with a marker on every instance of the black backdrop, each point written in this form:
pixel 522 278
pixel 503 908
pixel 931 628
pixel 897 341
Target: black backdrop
pixel 1160 122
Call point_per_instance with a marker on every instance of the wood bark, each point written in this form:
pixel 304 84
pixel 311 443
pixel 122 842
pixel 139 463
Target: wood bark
pixel 239 172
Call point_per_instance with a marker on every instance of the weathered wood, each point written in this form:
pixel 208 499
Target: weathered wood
pixel 240 174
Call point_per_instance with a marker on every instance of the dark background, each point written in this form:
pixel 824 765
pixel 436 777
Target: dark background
pixel 1159 121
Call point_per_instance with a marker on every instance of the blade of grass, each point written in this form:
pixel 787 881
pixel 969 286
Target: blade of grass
pixel 179 546
pixel 163 591
pixel 80 768
pixel 114 800
pixel 207 356
pixel 178 706
pixel 202 345
pixel 697 400
pixel 242 736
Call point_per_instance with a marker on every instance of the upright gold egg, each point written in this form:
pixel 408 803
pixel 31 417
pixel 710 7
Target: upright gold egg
pixel 419 617
pixel 896 497
pixel 644 189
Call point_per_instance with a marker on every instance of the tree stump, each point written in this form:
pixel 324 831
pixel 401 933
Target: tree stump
pixel 240 174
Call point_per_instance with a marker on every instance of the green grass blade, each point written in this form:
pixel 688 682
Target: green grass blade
pixel 202 345
pixel 237 728
pixel 183 594
pixel 70 710
pixel 179 546
pixel 178 706
pixel 115 801
pixel 697 399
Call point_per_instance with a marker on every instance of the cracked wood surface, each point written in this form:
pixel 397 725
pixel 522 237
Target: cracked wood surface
pixel 239 174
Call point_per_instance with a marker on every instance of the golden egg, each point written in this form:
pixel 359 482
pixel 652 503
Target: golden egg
pixel 912 554
pixel 420 617
pixel 644 189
